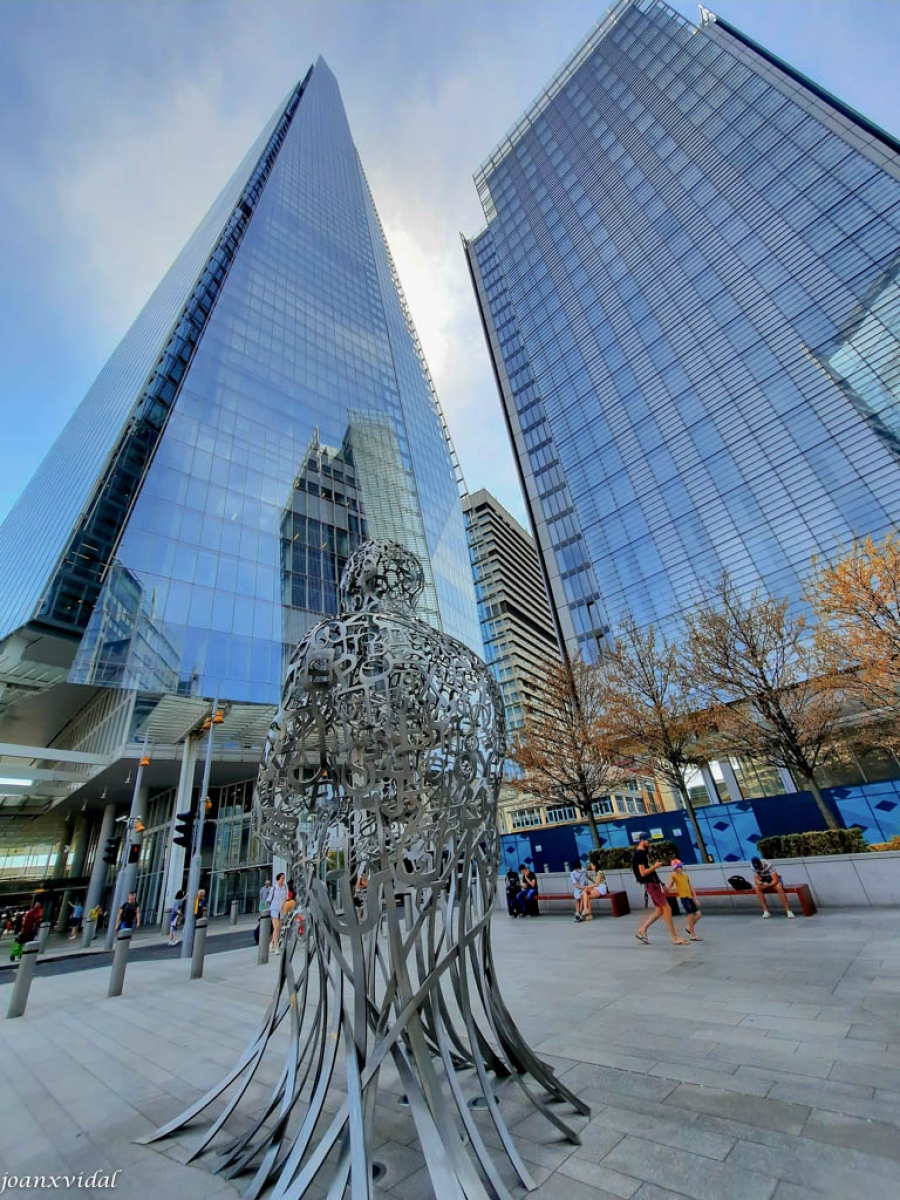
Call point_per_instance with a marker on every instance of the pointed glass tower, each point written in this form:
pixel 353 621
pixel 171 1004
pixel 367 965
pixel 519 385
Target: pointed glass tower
pixel 268 409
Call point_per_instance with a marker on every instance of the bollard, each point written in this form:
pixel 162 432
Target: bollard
pixel 43 936
pixel 235 905
pixel 120 958
pixel 199 948
pixel 87 937
pixel 24 975
pixel 265 937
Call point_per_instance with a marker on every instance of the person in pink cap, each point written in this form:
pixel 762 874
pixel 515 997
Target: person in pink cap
pixel 680 886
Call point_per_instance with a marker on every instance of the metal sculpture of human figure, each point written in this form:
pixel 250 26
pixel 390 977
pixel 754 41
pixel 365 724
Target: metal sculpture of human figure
pixel 385 759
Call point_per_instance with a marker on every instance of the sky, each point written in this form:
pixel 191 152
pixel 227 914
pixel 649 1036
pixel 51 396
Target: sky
pixel 120 122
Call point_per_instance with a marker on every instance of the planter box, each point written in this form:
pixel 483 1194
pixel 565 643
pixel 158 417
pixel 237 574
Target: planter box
pixel 869 880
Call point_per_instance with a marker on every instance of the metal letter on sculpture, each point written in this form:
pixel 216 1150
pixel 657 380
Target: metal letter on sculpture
pixel 383 764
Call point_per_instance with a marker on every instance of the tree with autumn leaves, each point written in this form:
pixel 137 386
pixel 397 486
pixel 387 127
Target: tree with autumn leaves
pixel 648 709
pixel 561 753
pixel 857 601
pixel 766 682
pixel 751 677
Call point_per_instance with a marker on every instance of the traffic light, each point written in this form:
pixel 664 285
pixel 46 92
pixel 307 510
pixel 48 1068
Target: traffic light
pixel 111 853
pixel 215 718
pixel 134 853
pixel 184 829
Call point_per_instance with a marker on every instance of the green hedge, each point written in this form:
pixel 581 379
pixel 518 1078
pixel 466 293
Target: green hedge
pixel 619 858
pixel 814 844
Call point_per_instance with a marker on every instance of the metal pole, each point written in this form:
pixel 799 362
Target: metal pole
pixel 43 936
pixel 127 871
pixel 100 868
pixel 174 869
pixel 120 959
pixel 190 900
pixel 90 928
pixel 24 975
pixel 265 937
pixel 199 949
pixel 235 905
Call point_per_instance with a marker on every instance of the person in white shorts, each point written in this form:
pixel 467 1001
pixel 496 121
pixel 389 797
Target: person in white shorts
pixel 279 896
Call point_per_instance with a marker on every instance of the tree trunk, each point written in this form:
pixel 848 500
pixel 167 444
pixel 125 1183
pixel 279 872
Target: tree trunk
pixel 689 808
pixel 592 821
pixel 820 800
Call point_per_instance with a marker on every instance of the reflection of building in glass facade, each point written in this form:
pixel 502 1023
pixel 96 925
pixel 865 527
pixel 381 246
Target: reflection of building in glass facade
pixel 124 646
pixel 321 526
pixel 268 408
pixel 687 281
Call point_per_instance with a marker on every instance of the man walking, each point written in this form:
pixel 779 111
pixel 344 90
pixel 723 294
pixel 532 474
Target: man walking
pixel 129 916
pixel 645 873
pixel 265 897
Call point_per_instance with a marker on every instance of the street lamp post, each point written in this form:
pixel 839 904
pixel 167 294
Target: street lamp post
pixel 190 902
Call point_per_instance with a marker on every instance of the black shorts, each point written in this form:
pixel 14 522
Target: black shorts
pixel 689 904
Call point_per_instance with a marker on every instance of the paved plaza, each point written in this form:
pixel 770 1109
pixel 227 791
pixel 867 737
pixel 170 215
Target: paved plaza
pixel 764 1062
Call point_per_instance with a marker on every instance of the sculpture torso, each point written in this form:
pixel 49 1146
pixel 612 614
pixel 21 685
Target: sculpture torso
pixel 386 718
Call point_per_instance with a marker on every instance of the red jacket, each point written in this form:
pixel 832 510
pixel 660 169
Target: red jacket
pixel 31 924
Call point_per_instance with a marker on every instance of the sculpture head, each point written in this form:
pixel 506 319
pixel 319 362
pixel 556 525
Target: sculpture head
pixel 382 575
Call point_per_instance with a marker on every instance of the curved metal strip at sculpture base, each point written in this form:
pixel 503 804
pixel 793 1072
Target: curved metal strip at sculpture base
pixel 406 980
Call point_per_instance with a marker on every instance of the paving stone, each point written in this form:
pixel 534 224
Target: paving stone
pixel 866 1074
pixel 691 1174
pixel 678 1130
pixel 726 1080
pixel 817 1094
pixel 794 1191
pixel 599 1137
pixel 793 1027
pixel 838 1129
pixel 840 1181
pixel 562 1187
pixel 755 1110
pixel 599 1176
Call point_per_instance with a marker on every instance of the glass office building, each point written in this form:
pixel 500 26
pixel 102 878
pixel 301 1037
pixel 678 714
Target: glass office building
pixel 269 408
pixel 689 286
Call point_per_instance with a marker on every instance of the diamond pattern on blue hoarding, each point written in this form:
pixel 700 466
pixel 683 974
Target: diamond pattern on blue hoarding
pixel 887 805
pixel 720 825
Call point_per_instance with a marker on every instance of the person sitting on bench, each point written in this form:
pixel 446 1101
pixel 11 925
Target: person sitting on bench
pixel 765 875
pixel 526 897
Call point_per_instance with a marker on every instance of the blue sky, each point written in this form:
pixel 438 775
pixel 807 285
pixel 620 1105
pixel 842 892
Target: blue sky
pixel 120 122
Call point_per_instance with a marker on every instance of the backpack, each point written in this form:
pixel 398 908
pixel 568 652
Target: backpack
pixel 740 884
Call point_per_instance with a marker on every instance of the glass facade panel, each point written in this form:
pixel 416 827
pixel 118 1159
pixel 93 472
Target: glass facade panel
pixel 689 279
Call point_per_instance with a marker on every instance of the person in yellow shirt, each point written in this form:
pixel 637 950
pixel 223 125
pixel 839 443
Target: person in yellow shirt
pixel 680 886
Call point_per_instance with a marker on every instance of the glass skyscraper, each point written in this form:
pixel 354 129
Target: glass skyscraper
pixel 689 286
pixel 268 408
